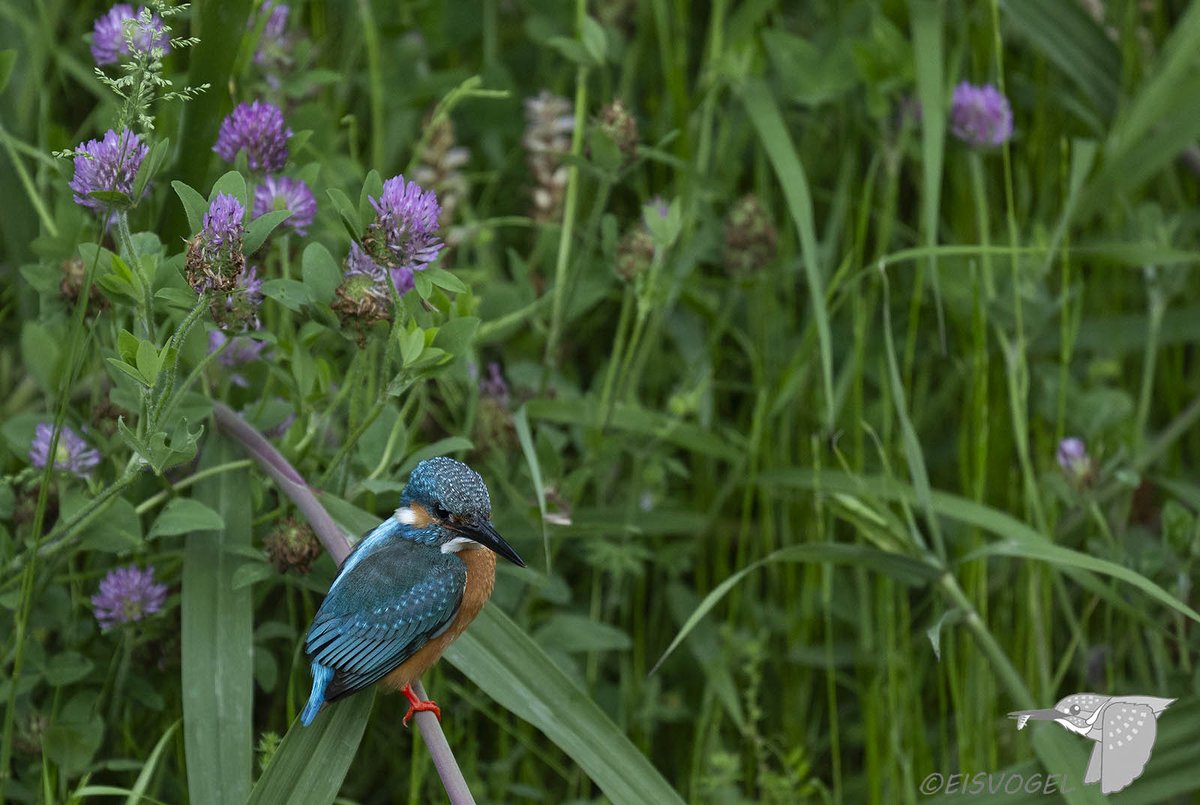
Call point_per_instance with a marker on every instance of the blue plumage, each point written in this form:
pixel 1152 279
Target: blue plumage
pixel 403 583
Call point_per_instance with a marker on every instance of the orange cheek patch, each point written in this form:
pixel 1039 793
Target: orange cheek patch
pixel 417 516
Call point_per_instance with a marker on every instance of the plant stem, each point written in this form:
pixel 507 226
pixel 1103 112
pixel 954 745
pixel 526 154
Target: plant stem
pixel 568 224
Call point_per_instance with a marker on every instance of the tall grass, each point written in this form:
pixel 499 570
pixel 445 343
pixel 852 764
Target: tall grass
pixel 796 532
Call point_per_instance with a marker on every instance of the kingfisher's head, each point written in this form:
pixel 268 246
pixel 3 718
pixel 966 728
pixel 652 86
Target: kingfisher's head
pixel 446 503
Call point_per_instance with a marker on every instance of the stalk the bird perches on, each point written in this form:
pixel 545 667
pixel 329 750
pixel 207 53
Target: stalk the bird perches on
pixel 409 588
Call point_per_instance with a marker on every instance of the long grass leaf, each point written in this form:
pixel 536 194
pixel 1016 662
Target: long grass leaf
pixel 1020 539
pixel 899 567
pixel 310 763
pixel 217 640
pixel 769 125
pixel 505 662
pixel 138 792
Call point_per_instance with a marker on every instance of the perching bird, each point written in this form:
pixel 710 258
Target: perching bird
pixel 409 588
pixel 1124 728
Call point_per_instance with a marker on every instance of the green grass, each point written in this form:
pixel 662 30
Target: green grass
pixel 795 533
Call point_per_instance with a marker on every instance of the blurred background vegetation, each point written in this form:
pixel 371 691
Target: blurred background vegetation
pixel 763 355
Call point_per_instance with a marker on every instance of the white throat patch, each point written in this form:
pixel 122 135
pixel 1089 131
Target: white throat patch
pixel 458 543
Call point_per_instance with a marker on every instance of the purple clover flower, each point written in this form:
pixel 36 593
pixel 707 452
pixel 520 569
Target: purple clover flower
pixel 1074 461
pixel 126 595
pixel 214 259
pixel 980 116
pixel 223 229
pixel 242 304
pixel 494 385
pixel 258 128
pixel 108 34
pixel 286 193
pixel 273 44
pixel 404 234
pixel 110 164
pixel 241 351
pixel 72 453
pixel 359 263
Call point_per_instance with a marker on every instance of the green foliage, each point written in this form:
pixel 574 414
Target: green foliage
pixel 770 402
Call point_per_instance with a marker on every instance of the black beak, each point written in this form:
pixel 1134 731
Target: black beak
pixel 1023 716
pixel 483 532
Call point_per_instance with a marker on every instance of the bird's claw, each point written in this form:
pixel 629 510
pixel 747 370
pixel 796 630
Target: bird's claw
pixel 415 705
pixel 421 707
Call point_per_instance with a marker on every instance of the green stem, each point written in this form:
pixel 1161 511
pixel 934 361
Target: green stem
pixel 569 208
pixel 158 497
pixel 167 379
pixel 35 200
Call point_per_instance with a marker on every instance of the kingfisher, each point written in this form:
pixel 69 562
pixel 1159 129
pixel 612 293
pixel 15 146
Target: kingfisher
pixel 1123 727
pixel 408 589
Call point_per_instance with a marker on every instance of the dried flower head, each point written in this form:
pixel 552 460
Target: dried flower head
pixel 440 169
pixel 292 545
pixel 109 40
pixel 494 427
pixel 621 126
pixel 363 296
pixel 259 129
pixel 1075 463
pixel 635 252
pixel 239 310
pixel 72 454
pixel 404 235
pixel 286 193
pixel 549 123
pixel 74 273
pixel 750 236
pixel 214 260
pixel 980 116
pixel 127 594
pixel 107 165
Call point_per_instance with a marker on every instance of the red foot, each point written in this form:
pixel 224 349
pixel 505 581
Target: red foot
pixel 415 705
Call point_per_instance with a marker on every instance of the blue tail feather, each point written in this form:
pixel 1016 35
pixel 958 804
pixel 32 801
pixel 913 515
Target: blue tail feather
pixel 321 679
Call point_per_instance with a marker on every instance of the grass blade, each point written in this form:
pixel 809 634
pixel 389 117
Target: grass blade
pixel 218 649
pixel 1021 540
pixel 506 663
pixel 768 122
pixel 138 792
pixel 333 739
pixel 902 568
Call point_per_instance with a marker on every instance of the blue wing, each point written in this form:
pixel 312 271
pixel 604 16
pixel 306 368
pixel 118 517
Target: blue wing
pixel 391 598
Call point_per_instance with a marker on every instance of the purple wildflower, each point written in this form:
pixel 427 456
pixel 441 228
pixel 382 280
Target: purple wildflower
pixel 286 193
pixel 404 234
pixel 215 261
pixel 108 34
pixel 241 351
pixel 1074 461
pixel 258 128
pixel 494 385
pixel 360 264
pixel 126 595
pixel 223 229
pixel 107 165
pixel 241 306
pixel 72 453
pixel 273 45
pixel 980 116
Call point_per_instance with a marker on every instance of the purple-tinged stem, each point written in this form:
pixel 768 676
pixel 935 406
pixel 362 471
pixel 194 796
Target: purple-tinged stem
pixel 292 484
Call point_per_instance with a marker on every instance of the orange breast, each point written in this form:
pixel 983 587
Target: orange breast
pixel 481 578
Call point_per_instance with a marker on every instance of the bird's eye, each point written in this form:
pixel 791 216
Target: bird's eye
pixel 1074 708
pixel 439 511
